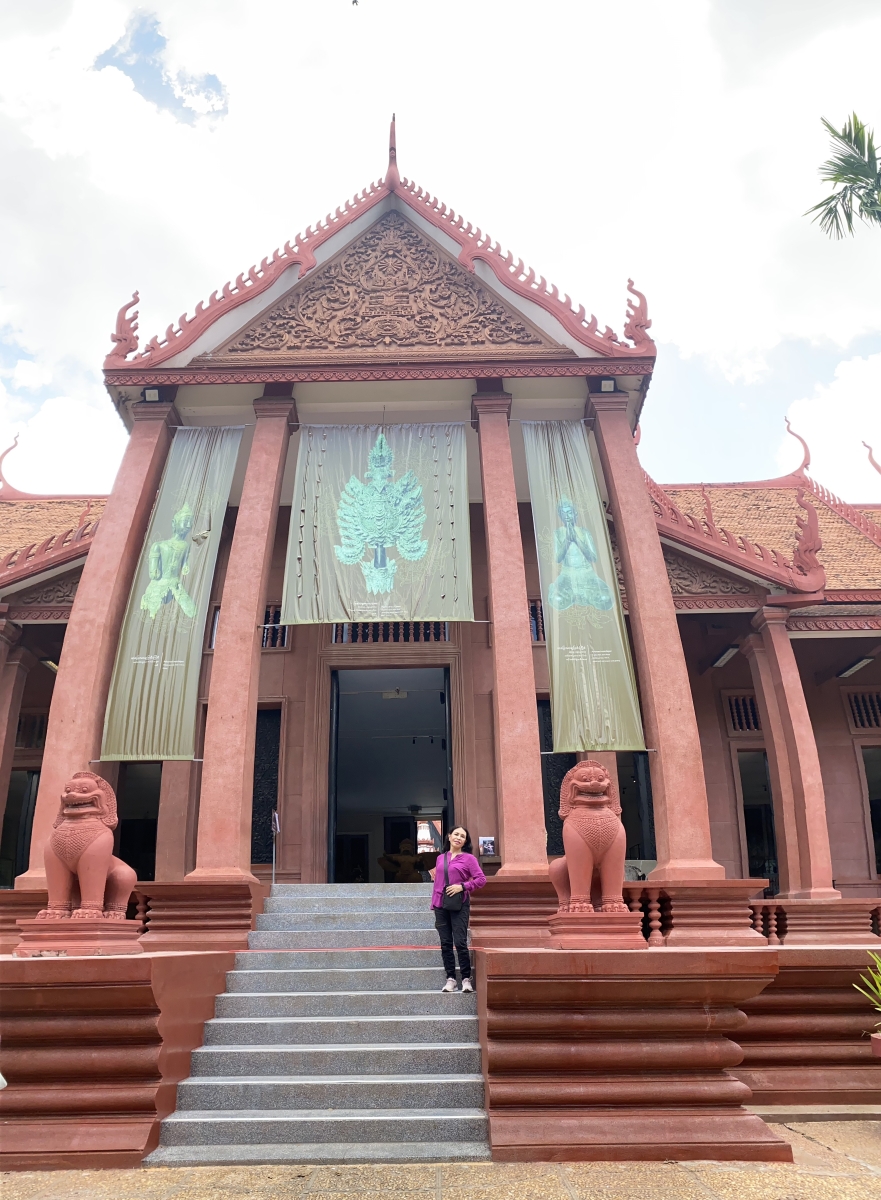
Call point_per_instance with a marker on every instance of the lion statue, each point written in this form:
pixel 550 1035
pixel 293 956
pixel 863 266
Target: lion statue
pixel 79 855
pixel 593 839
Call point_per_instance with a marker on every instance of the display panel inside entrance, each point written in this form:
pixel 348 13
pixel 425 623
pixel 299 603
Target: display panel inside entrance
pixel 392 775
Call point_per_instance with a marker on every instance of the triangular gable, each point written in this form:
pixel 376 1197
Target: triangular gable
pixel 475 252
pixel 392 293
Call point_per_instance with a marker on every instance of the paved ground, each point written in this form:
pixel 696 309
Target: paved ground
pixel 838 1160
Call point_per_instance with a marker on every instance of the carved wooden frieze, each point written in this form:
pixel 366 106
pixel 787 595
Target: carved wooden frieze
pixel 392 290
pixel 688 577
pixel 60 590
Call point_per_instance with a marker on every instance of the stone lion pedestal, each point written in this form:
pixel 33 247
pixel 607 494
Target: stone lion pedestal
pixel 589 880
pixel 67 938
pixel 89 888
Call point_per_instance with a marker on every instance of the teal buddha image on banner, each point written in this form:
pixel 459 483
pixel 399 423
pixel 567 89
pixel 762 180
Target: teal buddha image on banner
pixel 379 526
pixel 593 691
pixel 151 710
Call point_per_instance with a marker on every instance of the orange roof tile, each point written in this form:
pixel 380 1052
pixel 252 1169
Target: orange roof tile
pixel 768 515
pixel 24 521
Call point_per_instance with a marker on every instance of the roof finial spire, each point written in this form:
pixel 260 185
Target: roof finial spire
pixel 872 459
pixel 806 458
pixel 392 178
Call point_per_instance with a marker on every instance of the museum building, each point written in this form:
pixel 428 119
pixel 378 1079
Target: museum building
pixel 318 748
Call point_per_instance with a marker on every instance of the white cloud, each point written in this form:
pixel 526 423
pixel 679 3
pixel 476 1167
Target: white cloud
pixel 677 144
pixel 835 421
pixel 68 445
pixel 30 375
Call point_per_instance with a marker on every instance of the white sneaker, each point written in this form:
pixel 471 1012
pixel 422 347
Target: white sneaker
pixel 450 986
pixel 467 986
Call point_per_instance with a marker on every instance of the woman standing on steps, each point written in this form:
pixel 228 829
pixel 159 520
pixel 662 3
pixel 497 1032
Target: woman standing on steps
pixel 456 874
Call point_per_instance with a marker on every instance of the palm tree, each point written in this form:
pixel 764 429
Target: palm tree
pixel 855 170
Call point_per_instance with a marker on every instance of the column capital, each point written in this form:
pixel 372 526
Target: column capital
pixel 486 404
pixel 23 657
pixel 750 644
pixel 605 402
pixel 769 616
pixel 9 631
pixel 155 410
pixel 278 406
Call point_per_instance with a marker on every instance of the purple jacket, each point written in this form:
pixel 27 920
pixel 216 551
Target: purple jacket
pixel 464 869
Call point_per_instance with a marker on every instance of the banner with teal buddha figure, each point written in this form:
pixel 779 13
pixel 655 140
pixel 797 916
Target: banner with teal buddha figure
pixel 594 702
pixel 379 526
pixel 151 710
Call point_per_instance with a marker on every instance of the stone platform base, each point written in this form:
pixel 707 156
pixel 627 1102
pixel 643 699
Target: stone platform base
pixel 77 937
pixel 93 1049
pixel 607 1054
pixel 597 931
pixel 807 1039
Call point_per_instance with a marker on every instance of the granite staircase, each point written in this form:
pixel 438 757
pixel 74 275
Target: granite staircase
pixel 333 1042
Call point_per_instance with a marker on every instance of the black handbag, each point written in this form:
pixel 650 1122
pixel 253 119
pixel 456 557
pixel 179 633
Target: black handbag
pixel 455 902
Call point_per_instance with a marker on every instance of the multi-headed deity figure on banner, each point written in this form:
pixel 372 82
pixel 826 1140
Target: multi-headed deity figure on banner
pixel 380 514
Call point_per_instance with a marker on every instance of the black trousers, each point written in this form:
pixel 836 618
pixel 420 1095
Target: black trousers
pixel 452 928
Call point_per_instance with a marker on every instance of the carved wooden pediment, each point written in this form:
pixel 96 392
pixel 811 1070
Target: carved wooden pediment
pixel 392 293
pixel 689 577
pixel 45 603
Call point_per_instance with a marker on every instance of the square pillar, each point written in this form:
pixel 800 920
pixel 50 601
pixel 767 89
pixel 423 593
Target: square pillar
pixel 13 677
pixel 223 845
pixel 175 829
pixel 517 748
pixel 79 699
pixel 804 856
pixel 682 818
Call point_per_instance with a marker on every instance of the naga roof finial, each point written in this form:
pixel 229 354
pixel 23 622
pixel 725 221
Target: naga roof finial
pixel 7 491
pixel 873 461
pixel 806 458
pixel 392 177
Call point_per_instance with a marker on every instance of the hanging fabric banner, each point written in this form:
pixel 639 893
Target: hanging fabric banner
pixel 379 526
pixel 594 704
pixel 151 710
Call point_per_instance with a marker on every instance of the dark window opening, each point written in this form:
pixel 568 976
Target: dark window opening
pixel 758 818
pixel 266 754
pixel 872 763
pixel 137 801
pixel 18 819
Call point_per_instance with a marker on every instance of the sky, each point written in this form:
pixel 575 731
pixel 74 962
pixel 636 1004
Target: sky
pixel 166 146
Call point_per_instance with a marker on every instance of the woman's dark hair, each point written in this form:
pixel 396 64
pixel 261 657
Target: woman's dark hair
pixel 467 848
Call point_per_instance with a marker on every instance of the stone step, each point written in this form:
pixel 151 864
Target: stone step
pixel 381 959
pixel 291 1031
pixel 423 1058
pixel 311 891
pixel 421 919
pixel 346 1004
pixel 318 1154
pixel 291 1093
pixel 338 939
pixel 359 979
pixel 345 904
pixel 426 1125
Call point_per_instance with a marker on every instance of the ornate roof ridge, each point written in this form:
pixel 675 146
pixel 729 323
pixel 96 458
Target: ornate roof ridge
pixel 803 573
pixel 473 245
pixel 54 550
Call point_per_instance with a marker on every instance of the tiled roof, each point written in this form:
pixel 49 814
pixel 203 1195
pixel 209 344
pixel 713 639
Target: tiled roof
pixel 768 515
pixel 25 521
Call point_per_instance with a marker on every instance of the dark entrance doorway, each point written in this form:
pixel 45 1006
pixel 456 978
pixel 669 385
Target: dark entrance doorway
pixel 758 818
pixel 390 777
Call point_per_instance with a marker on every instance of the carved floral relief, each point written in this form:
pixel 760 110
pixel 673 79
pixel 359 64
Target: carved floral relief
pixel 391 290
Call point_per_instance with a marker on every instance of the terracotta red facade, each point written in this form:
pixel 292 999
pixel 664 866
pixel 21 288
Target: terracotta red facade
pixel 747 603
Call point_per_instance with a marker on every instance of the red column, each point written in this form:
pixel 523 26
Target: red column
pixel 13 677
pixel 517 749
pixel 682 819
pixel 76 718
pixel 223 846
pixel 174 829
pixel 796 783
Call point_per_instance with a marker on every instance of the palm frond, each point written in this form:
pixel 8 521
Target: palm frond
pixel 854 169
